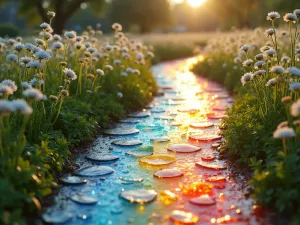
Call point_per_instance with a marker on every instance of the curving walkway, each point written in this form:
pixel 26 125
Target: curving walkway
pixel 134 186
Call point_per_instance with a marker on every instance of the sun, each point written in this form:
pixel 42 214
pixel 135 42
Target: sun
pixel 195 3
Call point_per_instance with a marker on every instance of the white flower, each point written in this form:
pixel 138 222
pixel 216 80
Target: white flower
pixel 295 108
pixel 6 107
pixel 91 50
pixel 247 62
pixel 70 34
pixel 29 47
pixel 284 133
pixel 11 84
pixel 270 32
pixel 25 60
pixel 108 67
pixel 259 56
pixel 12 58
pixel 34 64
pixel 25 85
pixel 294 71
pixel 51 14
pixel 11 41
pixel 271 82
pixel 129 70
pixel 246 78
pixel 277 70
pixel 79 39
pixel 125 55
pixel 259 64
pixel 100 72
pixel 264 48
pixel 273 15
pixel 295 86
pixel 19 47
pixel 117 27
pixel 120 95
pixel 44 25
pixel 70 74
pixel 285 59
pixel 297 12
pixel 56 37
pixel 40 42
pixel 259 72
pixel 57 45
pixel 33 94
pixel 6 90
pixel 21 106
pixel 245 48
pixel 42 55
pixel 290 17
pixel 124 74
pixel 136 72
pixel 270 53
pixel 108 48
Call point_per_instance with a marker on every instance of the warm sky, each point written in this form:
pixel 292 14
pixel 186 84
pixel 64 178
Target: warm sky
pixel 194 3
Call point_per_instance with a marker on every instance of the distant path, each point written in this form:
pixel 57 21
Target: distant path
pixel 188 105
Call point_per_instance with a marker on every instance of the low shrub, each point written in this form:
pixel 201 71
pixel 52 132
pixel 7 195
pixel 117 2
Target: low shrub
pixel 8 30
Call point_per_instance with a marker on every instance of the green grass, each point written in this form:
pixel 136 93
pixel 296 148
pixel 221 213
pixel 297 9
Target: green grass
pixel 35 145
pixel 256 113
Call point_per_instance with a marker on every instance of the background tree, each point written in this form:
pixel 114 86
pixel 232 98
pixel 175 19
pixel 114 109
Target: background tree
pixel 144 13
pixel 36 10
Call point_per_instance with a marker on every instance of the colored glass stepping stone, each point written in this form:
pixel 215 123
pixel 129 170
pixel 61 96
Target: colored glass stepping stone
pixel 139 196
pixel 166 87
pixel 216 179
pixel 219 108
pixel 222 96
pixel 208 157
pixel 127 142
pixel 183 148
pixel 160 139
pixel 183 217
pixel 163 118
pixel 73 180
pixel 204 137
pixel 121 131
pixel 139 115
pixel 158 110
pixel 215 145
pixel 90 171
pixel 149 127
pixel 176 124
pixel 57 216
pixel 157 160
pixel 102 158
pixel 217 165
pixel 216 117
pixel 127 180
pixel 197 188
pixel 168 173
pixel 141 151
pixel 211 90
pixel 200 125
pixel 178 98
pixel 83 199
pixel 130 121
pixel 203 200
pixel 149 106
pixel 188 110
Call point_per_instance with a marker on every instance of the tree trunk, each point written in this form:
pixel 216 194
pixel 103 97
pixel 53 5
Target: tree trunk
pixel 58 26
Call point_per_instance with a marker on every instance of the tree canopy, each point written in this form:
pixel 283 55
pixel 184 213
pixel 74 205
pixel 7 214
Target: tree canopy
pixel 144 13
